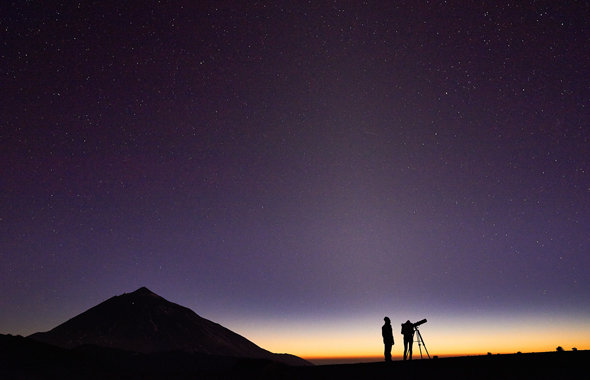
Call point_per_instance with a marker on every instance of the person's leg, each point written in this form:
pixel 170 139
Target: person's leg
pixel 405 348
pixel 387 352
pixel 411 343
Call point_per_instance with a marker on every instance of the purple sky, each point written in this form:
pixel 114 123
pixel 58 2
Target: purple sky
pixel 290 162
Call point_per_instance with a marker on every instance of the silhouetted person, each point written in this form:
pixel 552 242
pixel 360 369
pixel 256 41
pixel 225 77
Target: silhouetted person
pixel 387 334
pixel 408 333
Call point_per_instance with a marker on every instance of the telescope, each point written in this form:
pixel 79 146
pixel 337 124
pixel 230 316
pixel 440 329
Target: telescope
pixel 420 340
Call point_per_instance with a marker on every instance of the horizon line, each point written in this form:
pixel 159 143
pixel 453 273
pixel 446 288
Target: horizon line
pixel 425 357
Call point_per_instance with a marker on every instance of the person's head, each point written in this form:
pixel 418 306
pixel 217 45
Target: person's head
pixel 386 319
pixel 408 321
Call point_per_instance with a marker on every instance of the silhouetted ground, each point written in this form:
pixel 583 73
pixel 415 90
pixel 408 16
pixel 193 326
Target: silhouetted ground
pixel 22 358
pixel 548 365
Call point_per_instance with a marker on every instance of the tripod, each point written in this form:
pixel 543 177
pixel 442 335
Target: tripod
pixel 421 342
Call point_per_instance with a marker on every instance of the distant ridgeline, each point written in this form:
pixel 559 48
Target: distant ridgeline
pixel 144 322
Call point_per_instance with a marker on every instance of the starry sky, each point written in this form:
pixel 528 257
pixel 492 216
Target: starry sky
pixel 298 170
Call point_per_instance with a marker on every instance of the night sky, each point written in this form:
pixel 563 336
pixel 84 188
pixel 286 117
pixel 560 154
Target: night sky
pixel 298 170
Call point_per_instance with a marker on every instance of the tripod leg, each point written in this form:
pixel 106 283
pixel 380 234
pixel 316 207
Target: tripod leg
pixel 419 344
pixel 422 340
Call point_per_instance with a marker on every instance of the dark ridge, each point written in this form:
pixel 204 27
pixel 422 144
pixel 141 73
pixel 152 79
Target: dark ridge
pixel 143 291
pixel 24 358
pixel 142 321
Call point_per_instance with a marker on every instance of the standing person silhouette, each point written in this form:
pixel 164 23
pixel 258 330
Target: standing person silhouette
pixel 387 334
pixel 408 333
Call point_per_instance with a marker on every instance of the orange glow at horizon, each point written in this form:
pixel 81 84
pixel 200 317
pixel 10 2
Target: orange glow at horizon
pixel 359 339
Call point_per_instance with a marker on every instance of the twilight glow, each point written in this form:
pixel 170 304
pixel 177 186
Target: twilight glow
pixel 296 172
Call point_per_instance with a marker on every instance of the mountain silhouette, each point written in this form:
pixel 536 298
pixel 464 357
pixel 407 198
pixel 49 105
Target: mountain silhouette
pixel 143 321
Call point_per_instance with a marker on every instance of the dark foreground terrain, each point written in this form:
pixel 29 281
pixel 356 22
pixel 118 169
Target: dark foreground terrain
pixel 22 358
pixel 546 365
